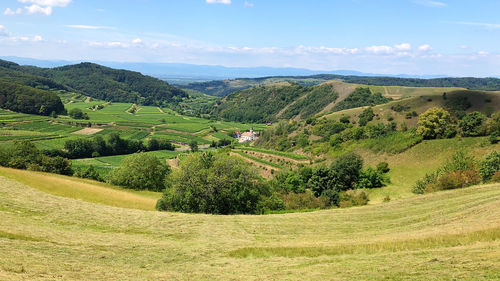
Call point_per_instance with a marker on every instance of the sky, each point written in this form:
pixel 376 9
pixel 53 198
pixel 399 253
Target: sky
pixel 419 37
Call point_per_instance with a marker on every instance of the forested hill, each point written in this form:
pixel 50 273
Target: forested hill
pixel 15 73
pixel 227 87
pixel 111 84
pixel 285 101
pixel 277 101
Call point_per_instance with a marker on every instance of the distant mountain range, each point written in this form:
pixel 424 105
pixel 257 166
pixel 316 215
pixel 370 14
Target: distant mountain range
pixel 180 73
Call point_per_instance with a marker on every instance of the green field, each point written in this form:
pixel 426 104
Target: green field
pixel 148 121
pixel 441 236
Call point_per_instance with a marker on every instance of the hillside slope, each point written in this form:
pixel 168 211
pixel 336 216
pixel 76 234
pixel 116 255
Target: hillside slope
pixel 441 236
pixel 110 84
pixel 276 101
pixel 226 87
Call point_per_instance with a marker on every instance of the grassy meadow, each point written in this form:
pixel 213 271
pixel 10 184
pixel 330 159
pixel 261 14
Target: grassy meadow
pixel 441 236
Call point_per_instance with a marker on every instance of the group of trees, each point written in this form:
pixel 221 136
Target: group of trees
pixel 112 145
pixel 346 173
pixel 25 99
pixel 438 123
pixel 25 155
pixel 361 97
pixel 461 170
pixel 217 184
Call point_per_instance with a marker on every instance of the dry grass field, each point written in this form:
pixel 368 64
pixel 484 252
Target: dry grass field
pixel 453 235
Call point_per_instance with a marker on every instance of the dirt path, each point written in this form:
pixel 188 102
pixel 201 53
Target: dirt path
pixel 87 100
pixel 160 110
pixel 343 89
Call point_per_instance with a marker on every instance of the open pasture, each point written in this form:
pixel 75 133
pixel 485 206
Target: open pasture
pixel 441 236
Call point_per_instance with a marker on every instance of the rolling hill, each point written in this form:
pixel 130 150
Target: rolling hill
pixel 226 87
pixel 95 81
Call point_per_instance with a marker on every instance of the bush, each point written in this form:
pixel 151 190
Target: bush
pixel 350 198
pixel 420 186
pixel 89 173
pixel 371 178
pixel 489 166
pixel 383 167
pixel 140 171
pixel 25 155
pixel 455 179
pixel 305 200
pixel 216 184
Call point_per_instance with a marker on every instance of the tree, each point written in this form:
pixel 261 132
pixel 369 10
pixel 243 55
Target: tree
pixel 193 145
pixel 77 113
pixel 141 171
pixel 342 175
pixel 434 123
pixel 490 166
pixel 215 184
pixel 472 125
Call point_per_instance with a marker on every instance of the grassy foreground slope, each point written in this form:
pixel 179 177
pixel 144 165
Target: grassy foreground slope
pixel 83 189
pixel 440 236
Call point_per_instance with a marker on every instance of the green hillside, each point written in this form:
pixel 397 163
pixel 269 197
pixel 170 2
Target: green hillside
pixel 441 236
pixel 110 84
pixel 223 88
pixel 276 101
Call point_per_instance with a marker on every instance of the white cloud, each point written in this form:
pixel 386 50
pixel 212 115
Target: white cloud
pixel 35 9
pixel 43 7
pixel 379 49
pixel 218 1
pixel 463 47
pixel 3 31
pixel 137 41
pixel 425 48
pixel 10 12
pixel 430 3
pixel 248 4
pixel 47 3
pixel 37 38
pixel 82 26
pixel 403 47
pixel 482 53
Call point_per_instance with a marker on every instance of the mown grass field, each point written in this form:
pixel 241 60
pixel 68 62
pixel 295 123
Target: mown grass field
pixel 453 235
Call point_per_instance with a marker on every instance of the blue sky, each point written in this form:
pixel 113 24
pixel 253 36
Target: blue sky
pixel 454 37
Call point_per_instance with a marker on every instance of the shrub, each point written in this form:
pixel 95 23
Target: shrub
pixel 420 186
pixel 89 173
pixel 371 178
pixel 305 200
pixel 383 167
pixel 350 198
pixel 489 166
pixel 456 179
pixel 140 171
pixel 460 161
